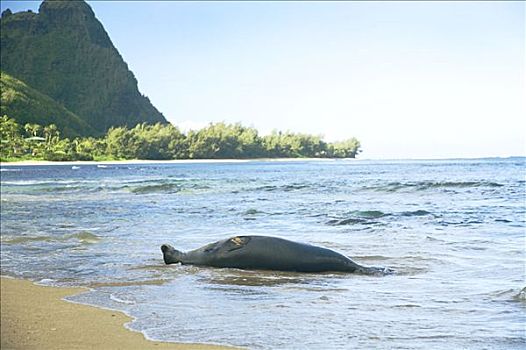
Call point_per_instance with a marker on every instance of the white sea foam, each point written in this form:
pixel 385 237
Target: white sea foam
pixel 121 300
pixel 7 169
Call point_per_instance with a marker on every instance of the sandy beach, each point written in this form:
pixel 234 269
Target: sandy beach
pixel 36 317
pixel 144 161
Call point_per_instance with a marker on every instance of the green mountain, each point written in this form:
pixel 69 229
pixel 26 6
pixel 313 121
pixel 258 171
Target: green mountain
pixel 27 105
pixel 64 52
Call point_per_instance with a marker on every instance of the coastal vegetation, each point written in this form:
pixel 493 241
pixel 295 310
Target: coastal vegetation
pixel 158 141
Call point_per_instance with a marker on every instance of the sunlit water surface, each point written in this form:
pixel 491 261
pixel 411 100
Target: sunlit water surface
pixel 453 230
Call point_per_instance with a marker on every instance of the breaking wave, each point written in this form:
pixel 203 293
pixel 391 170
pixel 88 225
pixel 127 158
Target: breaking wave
pixel 427 185
pixel 372 216
pixel 164 188
pixel 81 237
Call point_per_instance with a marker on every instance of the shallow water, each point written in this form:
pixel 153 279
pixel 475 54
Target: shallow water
pixel 454 231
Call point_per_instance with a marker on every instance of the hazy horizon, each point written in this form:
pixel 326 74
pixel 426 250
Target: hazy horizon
pixel 410 80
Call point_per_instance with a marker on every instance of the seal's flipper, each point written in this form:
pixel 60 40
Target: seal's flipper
pixel 237 242
pixel 228 245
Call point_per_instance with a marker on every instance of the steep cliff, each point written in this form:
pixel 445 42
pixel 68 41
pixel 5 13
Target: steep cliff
pixel 64 52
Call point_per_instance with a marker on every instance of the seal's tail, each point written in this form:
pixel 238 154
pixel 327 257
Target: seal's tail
pixel 170 254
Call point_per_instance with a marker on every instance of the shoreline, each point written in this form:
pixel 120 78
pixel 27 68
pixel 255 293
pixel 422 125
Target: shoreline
pixel 172 161
pixel 233 160
pixel 38 317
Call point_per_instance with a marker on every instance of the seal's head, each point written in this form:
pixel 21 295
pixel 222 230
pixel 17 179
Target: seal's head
pixel 170 254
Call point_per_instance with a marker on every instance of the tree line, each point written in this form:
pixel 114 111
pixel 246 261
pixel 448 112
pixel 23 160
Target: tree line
pixel 163 142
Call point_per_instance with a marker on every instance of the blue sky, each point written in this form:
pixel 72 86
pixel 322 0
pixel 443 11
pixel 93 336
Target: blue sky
pixel 408 79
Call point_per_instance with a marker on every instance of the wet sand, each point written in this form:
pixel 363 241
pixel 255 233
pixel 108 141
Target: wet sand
pixel 36 317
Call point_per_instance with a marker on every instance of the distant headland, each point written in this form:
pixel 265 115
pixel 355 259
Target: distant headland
pixel 67 94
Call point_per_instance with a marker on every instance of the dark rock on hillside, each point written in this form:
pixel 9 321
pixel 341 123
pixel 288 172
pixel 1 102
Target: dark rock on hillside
pixel 65 53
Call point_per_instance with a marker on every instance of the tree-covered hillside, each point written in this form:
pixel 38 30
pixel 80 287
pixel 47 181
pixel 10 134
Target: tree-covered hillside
pixel 30 106
pixel 64 52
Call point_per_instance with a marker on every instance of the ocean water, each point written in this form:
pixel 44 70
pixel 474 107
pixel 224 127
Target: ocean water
pixel 453 230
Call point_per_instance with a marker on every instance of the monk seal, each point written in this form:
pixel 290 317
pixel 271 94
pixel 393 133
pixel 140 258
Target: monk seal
pixel 267 253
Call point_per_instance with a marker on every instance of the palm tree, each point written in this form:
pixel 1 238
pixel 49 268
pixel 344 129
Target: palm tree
pixel 51 133
pixel 33 129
